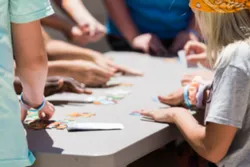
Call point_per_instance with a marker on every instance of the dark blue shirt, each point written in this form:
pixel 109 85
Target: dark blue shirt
pixel 164 18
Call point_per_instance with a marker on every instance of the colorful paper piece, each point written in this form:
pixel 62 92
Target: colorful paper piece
pixel 135 113
pixel 90 99
pixel 156 99
pixel 84 115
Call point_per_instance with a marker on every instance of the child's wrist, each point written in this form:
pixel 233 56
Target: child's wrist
pixel 27 105
pixel 32 100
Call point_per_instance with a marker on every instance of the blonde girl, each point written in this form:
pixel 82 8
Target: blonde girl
pixel 224 138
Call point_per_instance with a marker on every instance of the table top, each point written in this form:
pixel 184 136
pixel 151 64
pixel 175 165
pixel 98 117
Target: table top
pixel 112 148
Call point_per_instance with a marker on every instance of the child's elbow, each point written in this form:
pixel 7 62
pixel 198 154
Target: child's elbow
pixel 215 156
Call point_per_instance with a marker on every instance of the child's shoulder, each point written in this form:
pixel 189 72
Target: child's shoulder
pixel 240 55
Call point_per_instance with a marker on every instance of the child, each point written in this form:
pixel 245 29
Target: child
pixel 18 23
pixel 224 137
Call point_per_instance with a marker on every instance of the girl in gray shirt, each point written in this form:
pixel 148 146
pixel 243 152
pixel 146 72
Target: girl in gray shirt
pixel 224 138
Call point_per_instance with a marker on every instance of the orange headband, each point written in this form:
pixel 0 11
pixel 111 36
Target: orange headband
pixel 220 6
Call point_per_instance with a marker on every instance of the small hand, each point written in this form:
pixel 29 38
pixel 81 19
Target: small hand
pixel 109 65
pixel 93 30
pixel 196 53
pixel 181 39
pixel 47 112
pixel 100 60
pixel 73 86
pixel 150 44
pixel 187 79
pixel 77 36
pixel 163 115
pixel 126 70
pixel 88 73
pixel 174 99
pixel 63 84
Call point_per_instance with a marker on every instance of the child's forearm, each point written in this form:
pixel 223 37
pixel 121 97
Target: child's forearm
pixel 59 68
pixel 202 140
pixel 60 50
pixel 120 15
pixel 191 130
pixel 31 60
pixel 58 23
pixel 77 10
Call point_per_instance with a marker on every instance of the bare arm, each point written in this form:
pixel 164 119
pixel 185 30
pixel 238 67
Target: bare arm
pixel 58 23
pixel 211 141
pixel 31 60
pixel 120 15
pixel 76 10
pixel 60 50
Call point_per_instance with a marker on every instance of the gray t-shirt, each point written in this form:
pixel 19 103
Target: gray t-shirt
pixel 229 101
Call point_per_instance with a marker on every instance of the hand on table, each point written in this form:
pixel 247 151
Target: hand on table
pixel 88 73
pixel 187 79
pixel 174 99
pixel 196 53
pixel 163 115
pixel 46 113
pixel 150 44
pixel 181 39
pixel 64 84
pixel 106 63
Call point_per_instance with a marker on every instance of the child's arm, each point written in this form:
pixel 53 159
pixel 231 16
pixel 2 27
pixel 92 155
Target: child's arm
pixel 228 104
pixel 120 15
pixel 211 142
pixel 76 9
pixel 31 60
pixel 58 23
pixel 85 21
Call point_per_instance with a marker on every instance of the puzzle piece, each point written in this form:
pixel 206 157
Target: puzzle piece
pixel 155 99
pixel 135 114
pixel 85 115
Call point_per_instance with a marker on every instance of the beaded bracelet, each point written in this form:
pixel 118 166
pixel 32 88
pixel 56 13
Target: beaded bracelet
pixel 31 109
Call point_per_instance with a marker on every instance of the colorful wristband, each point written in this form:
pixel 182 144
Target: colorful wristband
pixel 186 100
pixel 31 109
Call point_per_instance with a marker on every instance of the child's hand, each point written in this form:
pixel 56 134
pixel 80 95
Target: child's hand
pixel 64 84
pixel 196 53
pixel 187 79
pixel 174 99
pixel 47 112
pixel 162 115
pixel 150 44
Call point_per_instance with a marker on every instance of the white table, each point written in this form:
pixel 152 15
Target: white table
pixel 54 148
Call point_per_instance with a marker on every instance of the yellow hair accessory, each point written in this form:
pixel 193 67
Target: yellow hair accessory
pixel 220 6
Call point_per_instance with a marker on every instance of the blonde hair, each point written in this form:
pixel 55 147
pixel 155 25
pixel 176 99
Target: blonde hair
pixel 221 30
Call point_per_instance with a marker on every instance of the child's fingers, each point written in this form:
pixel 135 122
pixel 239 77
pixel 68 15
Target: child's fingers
pixel 147 114
pixel 170 100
